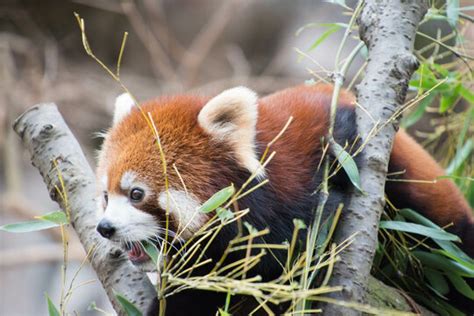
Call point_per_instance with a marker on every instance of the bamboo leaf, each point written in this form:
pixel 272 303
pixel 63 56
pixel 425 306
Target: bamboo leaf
pixel 28 226
pixel 151 251
pixel 461 286
pixel 129 308
pixel 460 157
pixel 217 199
pixel 439 262
pixel 452 249
pixel 437 281
pixel 466 94
pixel 417 114
pixel 348 164
pixel 434 233
pixel 52 310
pixel 58 217
pixel 449 98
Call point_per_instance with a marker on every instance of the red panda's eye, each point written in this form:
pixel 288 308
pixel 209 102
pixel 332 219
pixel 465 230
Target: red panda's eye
pixel 136 194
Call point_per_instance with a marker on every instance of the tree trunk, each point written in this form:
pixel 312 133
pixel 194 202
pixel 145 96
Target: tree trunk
pixel 388 28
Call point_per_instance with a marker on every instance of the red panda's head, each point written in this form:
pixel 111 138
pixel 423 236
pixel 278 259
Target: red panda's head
pixel 205 144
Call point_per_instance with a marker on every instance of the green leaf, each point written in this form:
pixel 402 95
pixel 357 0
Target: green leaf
pixel 460 157
pixel 439 262
pixel 224 214
pixel 49 220
pixel 128 307
pixel 449 98
pixel 437 281
pixel 434 233
pixel 467 262
pixel 58 217
pixel 348 164
pixel 448 246
pixel 324 36
pixel 217 199
pixel 151 251
pixel 466 94
pixel 52 310
pixel 461 286
pixel 28 226
pixel 417 114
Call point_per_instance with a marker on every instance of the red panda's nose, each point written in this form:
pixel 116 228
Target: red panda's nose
pixel 106 229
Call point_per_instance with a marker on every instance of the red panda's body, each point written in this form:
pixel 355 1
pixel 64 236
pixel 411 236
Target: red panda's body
pixel 216 142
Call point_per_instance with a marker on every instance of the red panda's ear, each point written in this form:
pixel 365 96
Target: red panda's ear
pixel 123 105
pixel 231 117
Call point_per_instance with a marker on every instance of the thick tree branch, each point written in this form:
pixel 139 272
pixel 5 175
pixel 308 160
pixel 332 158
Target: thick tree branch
pixel 388 29
pixel 57 155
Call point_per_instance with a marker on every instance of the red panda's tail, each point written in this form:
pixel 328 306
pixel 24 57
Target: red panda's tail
pixel 438 199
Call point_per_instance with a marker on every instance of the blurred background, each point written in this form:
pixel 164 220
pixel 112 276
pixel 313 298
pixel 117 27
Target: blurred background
pixel 173 46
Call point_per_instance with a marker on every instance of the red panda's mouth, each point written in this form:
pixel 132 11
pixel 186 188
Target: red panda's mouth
pixel 135 252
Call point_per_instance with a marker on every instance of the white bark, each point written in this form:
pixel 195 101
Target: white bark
pixel 388 28
pixel 47 137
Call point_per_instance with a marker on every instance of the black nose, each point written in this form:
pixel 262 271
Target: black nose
pixel 105 228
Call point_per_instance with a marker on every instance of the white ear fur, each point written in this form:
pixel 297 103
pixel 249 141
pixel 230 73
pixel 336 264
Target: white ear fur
pixel 232 117
pixel 123 105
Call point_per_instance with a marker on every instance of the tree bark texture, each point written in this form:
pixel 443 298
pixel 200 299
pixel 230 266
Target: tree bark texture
pixel 56 154
pixel 388 28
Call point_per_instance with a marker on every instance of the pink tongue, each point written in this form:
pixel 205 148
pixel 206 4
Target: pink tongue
pixel 136 253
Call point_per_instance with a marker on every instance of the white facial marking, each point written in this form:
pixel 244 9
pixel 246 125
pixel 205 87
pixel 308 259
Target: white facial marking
pixel 128 179
pixel 104 180
pixel 185 208
pixel 123 105
pixel 232 117
pixel 130 222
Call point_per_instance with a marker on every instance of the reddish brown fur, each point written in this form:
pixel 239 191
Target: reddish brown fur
pixel 440 201
pixel 175 119
pixel 206 165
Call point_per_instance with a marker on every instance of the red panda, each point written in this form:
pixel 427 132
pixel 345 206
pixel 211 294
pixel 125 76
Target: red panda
pixel 214 142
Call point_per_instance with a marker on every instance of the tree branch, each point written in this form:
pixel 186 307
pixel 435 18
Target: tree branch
pixel 57 155
pixel 388 29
